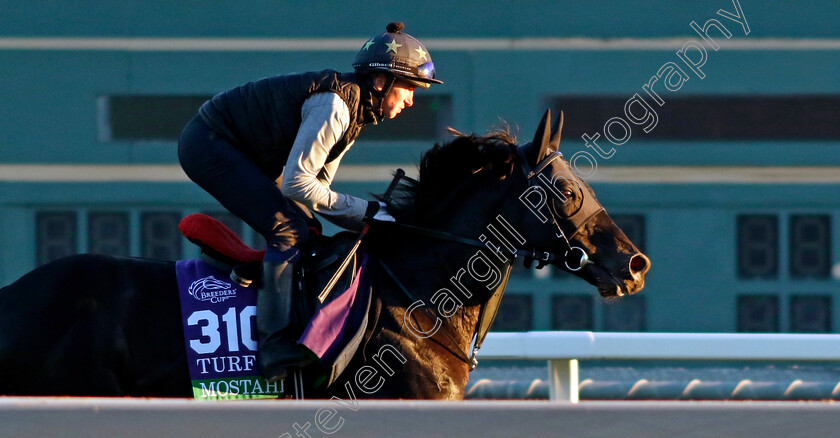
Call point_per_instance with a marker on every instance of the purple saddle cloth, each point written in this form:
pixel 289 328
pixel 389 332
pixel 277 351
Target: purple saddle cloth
pixel 335 330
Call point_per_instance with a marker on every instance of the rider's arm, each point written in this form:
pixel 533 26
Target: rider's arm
pixel 306 177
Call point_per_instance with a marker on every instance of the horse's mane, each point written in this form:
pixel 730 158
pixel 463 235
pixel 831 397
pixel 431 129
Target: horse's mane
pixel 443 168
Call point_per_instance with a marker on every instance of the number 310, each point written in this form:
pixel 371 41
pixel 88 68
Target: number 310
pixel 234 335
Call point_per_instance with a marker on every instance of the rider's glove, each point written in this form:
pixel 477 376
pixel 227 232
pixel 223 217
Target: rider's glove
pixel 376 212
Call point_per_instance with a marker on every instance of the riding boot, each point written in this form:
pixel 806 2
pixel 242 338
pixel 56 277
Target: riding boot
pixel 278 348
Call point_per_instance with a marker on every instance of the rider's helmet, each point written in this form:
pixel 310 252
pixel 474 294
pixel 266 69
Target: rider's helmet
pixel 399 55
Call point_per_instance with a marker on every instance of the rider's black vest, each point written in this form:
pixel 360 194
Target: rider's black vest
pixel 262 118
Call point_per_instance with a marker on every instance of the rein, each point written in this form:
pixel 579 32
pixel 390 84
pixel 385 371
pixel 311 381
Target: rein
pixel 489 309
pixel 542 257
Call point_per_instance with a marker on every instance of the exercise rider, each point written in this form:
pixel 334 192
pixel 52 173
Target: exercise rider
pixel 300 126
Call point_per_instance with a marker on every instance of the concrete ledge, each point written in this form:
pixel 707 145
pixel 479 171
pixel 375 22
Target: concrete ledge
pixel 99 417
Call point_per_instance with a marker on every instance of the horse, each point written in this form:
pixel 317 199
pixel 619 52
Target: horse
pixel 93 325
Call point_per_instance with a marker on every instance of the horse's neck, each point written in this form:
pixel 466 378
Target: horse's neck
pixel 441 277
pixel 439 356
pixel 446 269
pixel 443 273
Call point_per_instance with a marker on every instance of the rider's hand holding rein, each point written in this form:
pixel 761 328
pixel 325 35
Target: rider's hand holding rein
pixel 298 126
pixel 382 214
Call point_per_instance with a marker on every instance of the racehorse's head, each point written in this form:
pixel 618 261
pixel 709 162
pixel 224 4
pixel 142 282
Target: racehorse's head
pixel 467 183
pixel 566 219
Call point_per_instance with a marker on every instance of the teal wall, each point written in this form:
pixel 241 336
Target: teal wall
pixel 532 18
pixel 50 97
pixel 48 114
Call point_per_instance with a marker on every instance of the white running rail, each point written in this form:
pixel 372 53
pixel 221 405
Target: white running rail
pixel 563 350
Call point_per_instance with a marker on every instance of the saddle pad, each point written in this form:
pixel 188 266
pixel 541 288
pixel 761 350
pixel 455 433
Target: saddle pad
pixel 220 333
pixel 337 322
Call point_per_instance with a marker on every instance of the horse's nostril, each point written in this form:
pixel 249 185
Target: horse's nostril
pixel 639 264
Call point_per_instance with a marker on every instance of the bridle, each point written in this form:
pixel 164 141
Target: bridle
pixel 579 218
pixel 488 310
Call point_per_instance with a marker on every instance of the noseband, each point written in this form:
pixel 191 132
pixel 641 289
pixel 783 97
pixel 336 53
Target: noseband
pixel 578 219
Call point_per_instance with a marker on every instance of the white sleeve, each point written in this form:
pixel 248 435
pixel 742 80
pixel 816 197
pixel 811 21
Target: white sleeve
pixel 307 177
pixel 328 172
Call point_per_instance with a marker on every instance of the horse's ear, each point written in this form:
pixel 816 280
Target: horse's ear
pixel 554 143
pixel 541 146
pixel 542 137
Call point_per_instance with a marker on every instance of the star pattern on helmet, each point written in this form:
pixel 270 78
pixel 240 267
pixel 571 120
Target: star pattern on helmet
pixel 392 46
pixel 422 53
pixel 368 44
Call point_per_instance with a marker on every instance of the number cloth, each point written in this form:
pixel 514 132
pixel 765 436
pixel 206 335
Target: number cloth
pixel 219 318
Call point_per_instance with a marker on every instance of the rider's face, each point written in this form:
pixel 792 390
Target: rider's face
pixel 400 97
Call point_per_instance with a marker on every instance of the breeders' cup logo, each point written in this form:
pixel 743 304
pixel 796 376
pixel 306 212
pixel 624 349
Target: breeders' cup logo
pixel 211 289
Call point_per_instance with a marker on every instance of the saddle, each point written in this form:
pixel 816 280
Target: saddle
pixel 320 259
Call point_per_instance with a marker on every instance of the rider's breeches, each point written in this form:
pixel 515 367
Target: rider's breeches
pixel 241 187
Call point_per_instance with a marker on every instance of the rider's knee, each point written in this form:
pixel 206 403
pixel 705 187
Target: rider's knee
pixel 287 232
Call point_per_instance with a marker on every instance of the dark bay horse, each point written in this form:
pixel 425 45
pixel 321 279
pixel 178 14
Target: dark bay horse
pixel 99 325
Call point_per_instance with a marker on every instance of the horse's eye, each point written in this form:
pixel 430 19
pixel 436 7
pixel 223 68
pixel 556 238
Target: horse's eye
pixel 568 194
